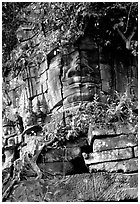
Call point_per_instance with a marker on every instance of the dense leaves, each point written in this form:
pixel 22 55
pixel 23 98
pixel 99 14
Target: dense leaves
pixel 10 24
pixel 31 30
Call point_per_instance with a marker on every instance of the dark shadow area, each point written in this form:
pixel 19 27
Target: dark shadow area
pixel 79 166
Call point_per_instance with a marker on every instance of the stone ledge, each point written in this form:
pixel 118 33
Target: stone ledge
pixel 130 165
pixel 120 141
pixel 81 187
pixel 109 155
pixel 104 131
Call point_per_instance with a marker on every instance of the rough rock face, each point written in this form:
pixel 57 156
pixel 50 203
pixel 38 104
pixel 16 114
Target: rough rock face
pixel 81 187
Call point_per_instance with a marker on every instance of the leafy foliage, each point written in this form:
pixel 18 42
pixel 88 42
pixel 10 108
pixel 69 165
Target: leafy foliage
pixel 10 24
pixel 118 108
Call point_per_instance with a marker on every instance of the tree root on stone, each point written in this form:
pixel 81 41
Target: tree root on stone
pixel 20 166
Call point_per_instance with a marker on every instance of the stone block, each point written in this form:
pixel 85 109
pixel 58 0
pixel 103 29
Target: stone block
pixel 121 79
pixel 130 165
pixel 98 132
pixel 120 141
pixel 104 130
pixel 94 187
pixel 56 168
pixel 71 89
pixel 136 151
pixel 60 154
pixel 53 82
pixel 29 191
pixel 43 67
pixel 105 77
pixel 124 129
pixel 44 86
pixel 43 77
pixel 109 155
pixel 54 92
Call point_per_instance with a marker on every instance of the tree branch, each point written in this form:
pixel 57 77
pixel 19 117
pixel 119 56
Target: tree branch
pixel 126 40
pixel 132 34
pixel 121 34
pixel 128 17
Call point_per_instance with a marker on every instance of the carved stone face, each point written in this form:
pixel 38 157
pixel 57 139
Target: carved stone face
pixel 73 78
pixel 81 77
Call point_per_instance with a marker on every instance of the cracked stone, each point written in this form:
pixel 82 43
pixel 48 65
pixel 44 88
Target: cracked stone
pixel 130 165
pixel 60 155
pixel 121 141
pixel 109 155
pixel 98 186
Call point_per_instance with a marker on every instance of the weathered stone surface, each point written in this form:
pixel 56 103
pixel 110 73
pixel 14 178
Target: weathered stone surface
pixel 136 151
pixel 9 156
pixel 79 82
pixel 80 89
pixel 130 165
pixel 98 132
pixel 28 191
pixel 121 141
pixel 111 186
pixel 121 77
pixel 43 77
pixel 105 71
pixel 77 91
pixel 80 187
pixel 63 167
pixel 124 129
pixel 109 155
pixel 56 168
pixel 72 67
pixel 60 155
pixel 104 130
pixel 54 84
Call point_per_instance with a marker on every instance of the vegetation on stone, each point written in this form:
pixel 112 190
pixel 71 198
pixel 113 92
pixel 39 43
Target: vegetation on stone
pixel 117 109
pixel 34 28
pixel 69 101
